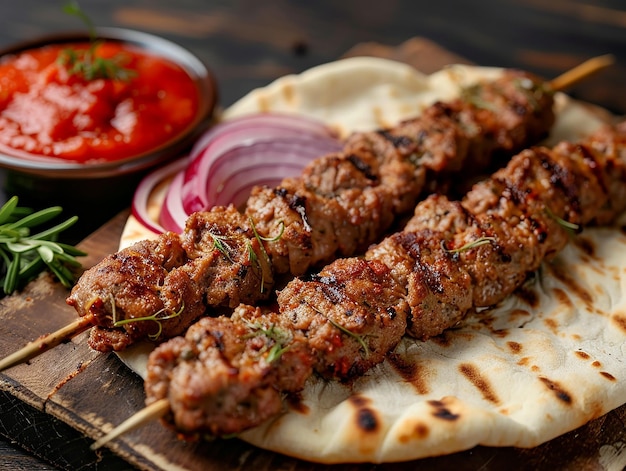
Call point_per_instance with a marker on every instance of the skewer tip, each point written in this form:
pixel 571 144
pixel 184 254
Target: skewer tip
pixel 582 71
pixel 154 411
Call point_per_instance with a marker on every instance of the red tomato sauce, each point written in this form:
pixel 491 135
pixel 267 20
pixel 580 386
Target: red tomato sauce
pixel 48 111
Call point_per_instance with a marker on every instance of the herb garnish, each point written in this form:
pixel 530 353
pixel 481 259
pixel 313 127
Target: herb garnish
pixel 279 336
pixel 86 63
pixel 160 315
pixel 348 332
pixel 357 337
pixel 470 245
pixel 24 255
pixel 220 243
pixel 570 227
pixel 266 258
pixel 472 95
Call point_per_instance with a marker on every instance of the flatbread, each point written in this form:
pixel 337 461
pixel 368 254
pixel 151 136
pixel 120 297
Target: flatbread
pixel 545 361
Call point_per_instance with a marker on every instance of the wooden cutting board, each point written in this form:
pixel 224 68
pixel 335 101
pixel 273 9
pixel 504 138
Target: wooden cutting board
pixel 62 400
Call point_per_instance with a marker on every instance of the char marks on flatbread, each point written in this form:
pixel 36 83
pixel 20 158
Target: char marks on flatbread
pixel 545 361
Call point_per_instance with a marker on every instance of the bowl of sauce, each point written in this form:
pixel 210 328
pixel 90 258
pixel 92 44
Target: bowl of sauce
pixel 89 111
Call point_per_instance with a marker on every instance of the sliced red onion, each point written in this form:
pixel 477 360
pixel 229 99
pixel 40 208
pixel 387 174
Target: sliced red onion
pixel 264 121
pixel 229 160
pixel 235 189
pixel 204 162
pixel 265 163
pixel 148 184
pixel 173 215
pixel 295 140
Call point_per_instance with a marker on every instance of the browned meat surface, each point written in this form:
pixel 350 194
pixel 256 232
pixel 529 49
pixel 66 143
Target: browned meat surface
pixel 129 284
pixel 351 313
pixel 173 280
pixel 421 281
pixel 340 205
pixel 228 374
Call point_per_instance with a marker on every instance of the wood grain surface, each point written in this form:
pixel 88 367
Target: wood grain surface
pixel 55 406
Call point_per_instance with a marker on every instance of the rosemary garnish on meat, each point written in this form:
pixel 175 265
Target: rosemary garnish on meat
pixel 263 264
pixel 85 63
pixel 160 315
pixel 472 95
pixel 348 332
pixel 279 336
pixel 220 243
pixel 24 255
pixel 470 245
pixel 570 227
pixel 266 264
pixel 357 337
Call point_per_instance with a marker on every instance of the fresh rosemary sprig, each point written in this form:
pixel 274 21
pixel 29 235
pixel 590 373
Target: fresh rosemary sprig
pixel 221 244
pixel 280 338
pixel 24 255
pixel 160 315
pixel 357 337
pixel 267 263
pixel 470 245
pixel 86 63
pixel 570 227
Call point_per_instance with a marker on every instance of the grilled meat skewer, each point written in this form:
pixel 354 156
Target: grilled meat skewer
pixel 341 204
pixel 229 374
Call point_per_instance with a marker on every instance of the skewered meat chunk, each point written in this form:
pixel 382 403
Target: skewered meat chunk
pixel 340 205
pixel 468 254
pixel 344 202
pixel 228 368
pixel 352 313
pixel 209 265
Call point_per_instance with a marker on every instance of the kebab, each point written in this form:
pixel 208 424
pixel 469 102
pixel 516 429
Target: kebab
pixel 228 374
pixel 470 135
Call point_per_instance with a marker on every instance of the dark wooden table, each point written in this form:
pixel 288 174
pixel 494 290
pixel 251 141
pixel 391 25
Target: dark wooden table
pixel 249 43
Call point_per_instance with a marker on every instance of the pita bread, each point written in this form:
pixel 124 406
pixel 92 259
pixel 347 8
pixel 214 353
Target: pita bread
pixel 545 361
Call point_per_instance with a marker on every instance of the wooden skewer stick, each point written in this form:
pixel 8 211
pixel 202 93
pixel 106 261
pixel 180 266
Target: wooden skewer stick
pixel 581 72
pixel 154 411
pixel 46 342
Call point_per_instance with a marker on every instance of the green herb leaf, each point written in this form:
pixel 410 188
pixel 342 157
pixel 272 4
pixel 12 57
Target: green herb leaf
pixel 570 227
pixel 23 256
pixel 357 337
pixel 280 337
pixel 160 315
pixel 73 8
pixel 470 245
pixel 86 63
pixel 266 266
